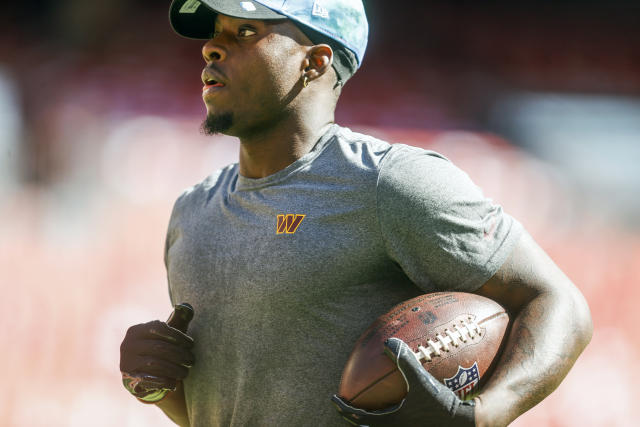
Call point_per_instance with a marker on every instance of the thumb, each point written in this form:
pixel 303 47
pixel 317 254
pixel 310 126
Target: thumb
pixel 181 316
pixel 414 373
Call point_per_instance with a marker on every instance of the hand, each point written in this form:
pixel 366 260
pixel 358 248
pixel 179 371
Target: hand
pixel 428 402
pixel 155 356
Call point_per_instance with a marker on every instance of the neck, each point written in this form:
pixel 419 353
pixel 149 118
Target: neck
pixel 273 148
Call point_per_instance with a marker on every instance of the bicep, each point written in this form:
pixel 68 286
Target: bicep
pixel 527 273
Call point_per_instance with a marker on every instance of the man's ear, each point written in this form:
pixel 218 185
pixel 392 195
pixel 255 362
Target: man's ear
pixel 318 61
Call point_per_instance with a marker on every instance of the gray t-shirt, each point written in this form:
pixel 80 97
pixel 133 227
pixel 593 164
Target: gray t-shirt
pixel 285 272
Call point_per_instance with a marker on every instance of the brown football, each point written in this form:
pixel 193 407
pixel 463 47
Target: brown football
pixel 456 336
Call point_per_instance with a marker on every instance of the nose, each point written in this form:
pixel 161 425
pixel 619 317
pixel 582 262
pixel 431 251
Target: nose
pixel 213 52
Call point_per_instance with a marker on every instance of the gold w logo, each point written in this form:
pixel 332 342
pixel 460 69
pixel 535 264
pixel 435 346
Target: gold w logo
pixel 288 223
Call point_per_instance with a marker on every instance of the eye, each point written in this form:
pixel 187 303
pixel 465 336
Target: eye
pixel 246 32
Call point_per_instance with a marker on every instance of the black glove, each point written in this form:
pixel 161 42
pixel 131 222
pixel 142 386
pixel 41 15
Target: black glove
pixel 428 402
pixel 155 356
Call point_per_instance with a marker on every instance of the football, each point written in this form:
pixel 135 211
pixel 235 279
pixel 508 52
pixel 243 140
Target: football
pixel 456 336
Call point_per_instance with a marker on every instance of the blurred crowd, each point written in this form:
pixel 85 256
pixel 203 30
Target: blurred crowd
pixel 539 101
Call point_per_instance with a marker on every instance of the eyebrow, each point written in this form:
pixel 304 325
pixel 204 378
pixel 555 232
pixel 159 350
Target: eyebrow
pixel 266 23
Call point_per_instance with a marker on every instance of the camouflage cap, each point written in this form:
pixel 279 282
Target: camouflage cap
pixel 341 20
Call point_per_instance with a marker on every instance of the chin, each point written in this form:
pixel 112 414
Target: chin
pixel 216 123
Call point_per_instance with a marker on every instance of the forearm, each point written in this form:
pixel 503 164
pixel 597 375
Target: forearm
pixel 545 339
pixel 550 327
pixel 175 407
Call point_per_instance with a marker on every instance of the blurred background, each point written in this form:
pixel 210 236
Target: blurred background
pixel 539 101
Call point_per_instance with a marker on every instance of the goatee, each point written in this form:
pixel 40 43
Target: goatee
pixel 216 123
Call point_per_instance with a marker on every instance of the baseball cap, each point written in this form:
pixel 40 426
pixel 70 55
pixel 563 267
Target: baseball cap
pixel 342 24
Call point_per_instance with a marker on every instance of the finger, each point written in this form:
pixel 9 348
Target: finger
pixel 150 382
pixel 412 370
pixel 159 330
pixel 393 347
pixel 142 383
pixel 181 316
pixel 170 352
pixel 148 365
pixel 346 410
pixel 349 413
pixel 170 334
pixel 341 405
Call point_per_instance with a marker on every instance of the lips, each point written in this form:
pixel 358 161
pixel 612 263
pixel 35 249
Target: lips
pixel 211 84
pixel 212 80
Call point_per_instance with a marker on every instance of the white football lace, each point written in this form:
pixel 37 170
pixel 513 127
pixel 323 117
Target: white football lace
pixel 461 333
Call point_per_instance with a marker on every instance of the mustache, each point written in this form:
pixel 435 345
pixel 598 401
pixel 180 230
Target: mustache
pixel 215 72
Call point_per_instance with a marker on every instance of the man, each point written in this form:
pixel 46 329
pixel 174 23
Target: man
pixel 288 255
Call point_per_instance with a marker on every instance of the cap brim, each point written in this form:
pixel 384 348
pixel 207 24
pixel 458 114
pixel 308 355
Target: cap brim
pixel 194 19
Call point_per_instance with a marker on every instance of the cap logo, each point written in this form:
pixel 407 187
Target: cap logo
pixel 190 6
pixel 248 6
pixel 319 10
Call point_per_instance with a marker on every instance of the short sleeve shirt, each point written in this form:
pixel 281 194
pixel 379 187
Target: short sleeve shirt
pixel 285 272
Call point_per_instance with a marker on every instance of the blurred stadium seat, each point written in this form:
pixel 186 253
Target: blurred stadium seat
pixel 100 134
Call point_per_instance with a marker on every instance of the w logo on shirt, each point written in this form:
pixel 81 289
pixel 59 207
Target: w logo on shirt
pixel 288 223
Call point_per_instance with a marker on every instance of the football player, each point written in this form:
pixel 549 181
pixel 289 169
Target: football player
pixel 288 255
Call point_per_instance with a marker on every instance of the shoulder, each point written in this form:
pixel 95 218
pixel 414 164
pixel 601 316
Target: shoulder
pixel 407 155
pixel 385 155
pixel 363 150
pixel 356 140
pixel 408 169
pixel 395 167
pixel 197 196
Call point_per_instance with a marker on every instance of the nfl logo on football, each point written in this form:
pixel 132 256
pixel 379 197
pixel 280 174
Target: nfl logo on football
pixel 464 382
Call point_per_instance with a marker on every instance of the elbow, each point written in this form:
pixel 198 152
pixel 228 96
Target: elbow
pixel 581 319
pixel 586 323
